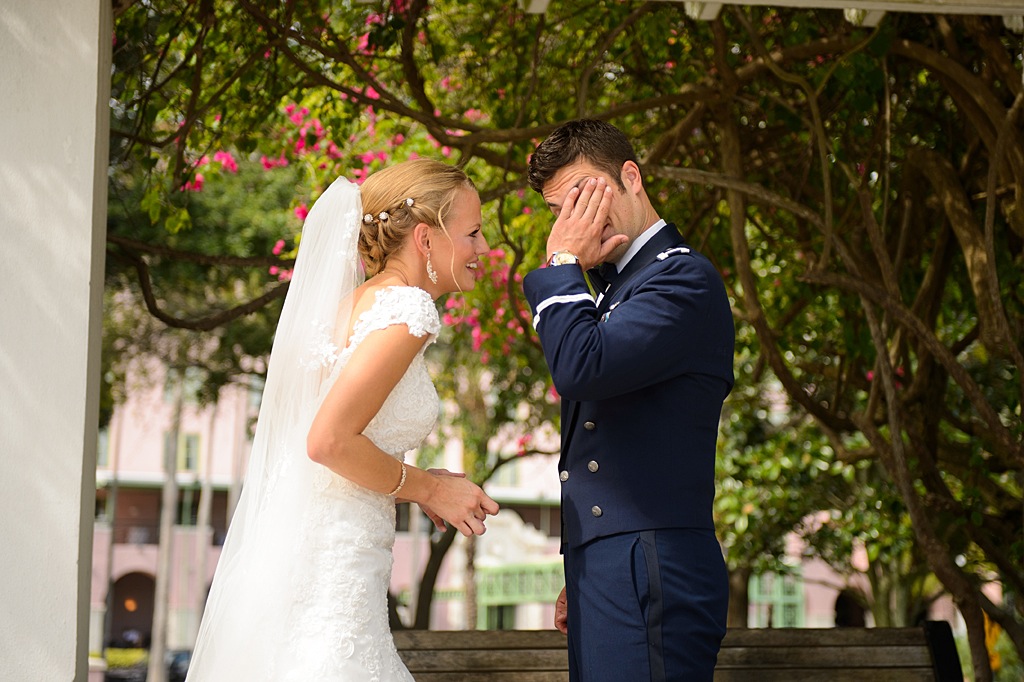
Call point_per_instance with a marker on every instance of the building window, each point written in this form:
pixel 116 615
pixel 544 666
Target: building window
pixel 187 450
pixel 776 600
pixel 501 617
pixel 103 448
pixel 101 505
pixel 189 507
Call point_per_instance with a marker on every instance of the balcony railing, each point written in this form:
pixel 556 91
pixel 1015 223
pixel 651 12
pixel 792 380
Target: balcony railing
pixel 519 583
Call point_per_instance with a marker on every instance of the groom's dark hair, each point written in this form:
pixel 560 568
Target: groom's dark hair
pixel 600 143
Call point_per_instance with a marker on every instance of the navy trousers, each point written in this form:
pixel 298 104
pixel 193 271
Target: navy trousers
pixel 647 605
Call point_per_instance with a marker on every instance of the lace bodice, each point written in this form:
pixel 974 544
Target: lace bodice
pixel 410 412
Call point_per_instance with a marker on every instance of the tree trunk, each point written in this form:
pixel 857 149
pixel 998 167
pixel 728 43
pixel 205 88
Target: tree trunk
pixel 168 508
pixel 739 597
pixel 204 532
pixel 470 581
pixel 425 599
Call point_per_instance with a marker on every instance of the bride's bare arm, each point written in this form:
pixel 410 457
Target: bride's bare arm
pixel 336 437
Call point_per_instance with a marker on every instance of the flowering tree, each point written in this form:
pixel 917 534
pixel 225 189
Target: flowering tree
pixel 859 190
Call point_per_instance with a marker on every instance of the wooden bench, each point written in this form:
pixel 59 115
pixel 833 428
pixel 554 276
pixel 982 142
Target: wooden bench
pixel 912 654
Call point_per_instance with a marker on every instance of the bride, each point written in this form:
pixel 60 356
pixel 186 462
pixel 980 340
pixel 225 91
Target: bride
pixel 300 591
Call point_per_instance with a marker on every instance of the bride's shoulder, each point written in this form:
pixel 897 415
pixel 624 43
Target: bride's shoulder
pixel 397 304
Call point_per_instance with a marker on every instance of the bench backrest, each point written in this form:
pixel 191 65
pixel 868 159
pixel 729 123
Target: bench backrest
pixel 917 654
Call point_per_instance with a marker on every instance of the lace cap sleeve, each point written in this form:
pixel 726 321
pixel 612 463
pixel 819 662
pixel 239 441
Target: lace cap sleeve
pixel 403 305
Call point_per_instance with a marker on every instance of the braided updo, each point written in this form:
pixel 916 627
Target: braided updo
pixel 390 218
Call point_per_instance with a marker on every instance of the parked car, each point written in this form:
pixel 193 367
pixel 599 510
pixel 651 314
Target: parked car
pixel 177 664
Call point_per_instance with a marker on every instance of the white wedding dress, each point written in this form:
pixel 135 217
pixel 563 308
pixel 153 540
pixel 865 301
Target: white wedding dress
pixel 340 621
pixel 330 620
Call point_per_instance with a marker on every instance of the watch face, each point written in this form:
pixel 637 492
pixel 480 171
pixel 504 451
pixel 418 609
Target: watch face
pixel 564 258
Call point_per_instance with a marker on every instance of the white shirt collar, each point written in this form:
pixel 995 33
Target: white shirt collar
pixel 638 244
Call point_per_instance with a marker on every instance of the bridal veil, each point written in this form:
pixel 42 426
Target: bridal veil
pixel 247 609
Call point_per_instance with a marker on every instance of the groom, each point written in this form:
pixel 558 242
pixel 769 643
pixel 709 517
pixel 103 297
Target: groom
pixel 643 365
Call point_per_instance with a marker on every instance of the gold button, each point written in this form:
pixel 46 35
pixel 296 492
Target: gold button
pixel 596 511
pixel 564 476
pixel 589 426
pixel 593 466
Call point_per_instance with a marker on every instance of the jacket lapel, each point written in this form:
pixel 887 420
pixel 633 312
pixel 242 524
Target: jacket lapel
pixel 666 238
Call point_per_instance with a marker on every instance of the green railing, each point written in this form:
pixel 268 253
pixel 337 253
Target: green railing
pixel 499 589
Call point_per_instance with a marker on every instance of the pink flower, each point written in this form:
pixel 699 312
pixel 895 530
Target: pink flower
pixel 301 211
pixel 194 185
pixel 521 444
pixel 278 247
pixel 227 161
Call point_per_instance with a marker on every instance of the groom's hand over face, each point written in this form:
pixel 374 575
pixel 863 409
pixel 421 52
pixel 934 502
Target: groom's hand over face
pixel 581 222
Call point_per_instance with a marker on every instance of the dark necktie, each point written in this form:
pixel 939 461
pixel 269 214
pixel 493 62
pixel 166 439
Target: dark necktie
pixel 602 276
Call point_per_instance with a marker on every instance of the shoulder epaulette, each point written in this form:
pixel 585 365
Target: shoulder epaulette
pixel 672 252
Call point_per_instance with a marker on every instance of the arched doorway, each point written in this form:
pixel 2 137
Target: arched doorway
pixel 132 612
pixel 850 611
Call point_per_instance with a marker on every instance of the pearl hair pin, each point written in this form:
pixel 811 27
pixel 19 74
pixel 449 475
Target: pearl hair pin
pixel 384 216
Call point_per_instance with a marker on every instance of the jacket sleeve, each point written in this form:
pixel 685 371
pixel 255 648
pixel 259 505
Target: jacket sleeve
pixel 673 317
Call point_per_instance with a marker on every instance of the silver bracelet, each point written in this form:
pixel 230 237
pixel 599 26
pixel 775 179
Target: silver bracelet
pixel 401 482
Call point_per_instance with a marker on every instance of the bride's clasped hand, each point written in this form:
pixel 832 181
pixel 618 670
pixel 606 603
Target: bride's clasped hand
pixel 473 505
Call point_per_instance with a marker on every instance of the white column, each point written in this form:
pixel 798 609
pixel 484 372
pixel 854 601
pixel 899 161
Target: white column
pixel 54 117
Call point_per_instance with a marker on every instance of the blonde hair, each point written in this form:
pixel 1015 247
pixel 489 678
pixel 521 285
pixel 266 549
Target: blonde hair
pixel 430 184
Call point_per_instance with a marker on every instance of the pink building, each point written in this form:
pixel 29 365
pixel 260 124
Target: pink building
pixel 516 568
pixel 211 451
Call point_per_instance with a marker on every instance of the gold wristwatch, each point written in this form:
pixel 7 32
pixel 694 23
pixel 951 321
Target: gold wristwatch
pixel 563 258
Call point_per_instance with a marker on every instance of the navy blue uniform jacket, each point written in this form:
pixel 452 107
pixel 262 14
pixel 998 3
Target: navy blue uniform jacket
pixel 642 373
